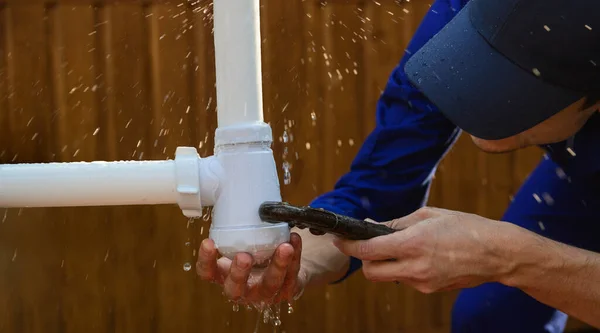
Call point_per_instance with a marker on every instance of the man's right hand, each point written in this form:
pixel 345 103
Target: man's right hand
pixel 283 279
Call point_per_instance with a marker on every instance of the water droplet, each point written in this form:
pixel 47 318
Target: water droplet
pixel 287 175
pixel 285 137
pixel 313 116
pixel 206 214
pixel 277 322
pixel 548 199
pixel 290 309
pixel 236 308
pixel 187 266
pixel 188 243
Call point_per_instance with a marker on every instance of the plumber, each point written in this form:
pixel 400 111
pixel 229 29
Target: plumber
pixel 511 74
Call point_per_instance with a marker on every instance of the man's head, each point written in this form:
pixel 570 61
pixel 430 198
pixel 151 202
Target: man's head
pixel 559 127
pixel 514 73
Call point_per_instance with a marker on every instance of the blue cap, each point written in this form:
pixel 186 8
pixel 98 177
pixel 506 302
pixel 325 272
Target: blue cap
pixel 501 67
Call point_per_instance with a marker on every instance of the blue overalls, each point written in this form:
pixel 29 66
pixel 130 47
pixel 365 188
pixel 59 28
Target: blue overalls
pixel 391 175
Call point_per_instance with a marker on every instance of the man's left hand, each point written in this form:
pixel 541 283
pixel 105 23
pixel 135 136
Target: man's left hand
pixel 437 250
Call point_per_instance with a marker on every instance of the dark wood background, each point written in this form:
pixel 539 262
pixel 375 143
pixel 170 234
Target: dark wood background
pixel 86 80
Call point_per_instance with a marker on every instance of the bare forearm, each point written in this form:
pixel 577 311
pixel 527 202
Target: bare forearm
pixel 561 276
pixel 321 260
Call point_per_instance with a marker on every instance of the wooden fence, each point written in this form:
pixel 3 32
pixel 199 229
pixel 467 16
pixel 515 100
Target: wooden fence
pixel 84 80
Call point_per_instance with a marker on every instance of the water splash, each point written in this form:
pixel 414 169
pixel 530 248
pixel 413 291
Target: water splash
pixel 267 313
pixel 287 138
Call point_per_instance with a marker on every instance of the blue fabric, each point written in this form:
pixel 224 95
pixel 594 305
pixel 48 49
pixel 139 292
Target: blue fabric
pixel 550 204
pixel 391 175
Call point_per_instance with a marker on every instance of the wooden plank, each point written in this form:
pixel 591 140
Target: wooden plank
pixel 27 75
pixel 389 31
pixel 204 103
pixel 133 258
pixel 34 269
pixel 203 91
pixel 282 88
pixel 170 39
pixel 289 101
pixel 6 241
pixel 76 127
pixel 525 161
pixel 74 87
pixel 341 49
pixel 106 77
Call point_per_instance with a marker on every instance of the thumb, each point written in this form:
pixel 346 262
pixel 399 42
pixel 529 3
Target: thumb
pixel 397 224
pixel 411 219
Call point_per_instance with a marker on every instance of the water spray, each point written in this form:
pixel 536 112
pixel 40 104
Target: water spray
pixel 236 180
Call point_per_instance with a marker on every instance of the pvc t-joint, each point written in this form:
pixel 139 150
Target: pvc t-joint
pixel 249 179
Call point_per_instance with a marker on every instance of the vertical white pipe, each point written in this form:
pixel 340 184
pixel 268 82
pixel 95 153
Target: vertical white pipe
pixel 238 61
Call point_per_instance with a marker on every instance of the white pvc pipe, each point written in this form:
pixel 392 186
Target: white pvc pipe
pixel 88 184
pixel 238 61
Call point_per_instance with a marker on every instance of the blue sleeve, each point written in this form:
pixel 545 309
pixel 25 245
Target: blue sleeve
pixel 391 175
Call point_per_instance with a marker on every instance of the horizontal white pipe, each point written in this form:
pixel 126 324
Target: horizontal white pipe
pixel 238 61
pixel 88 184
